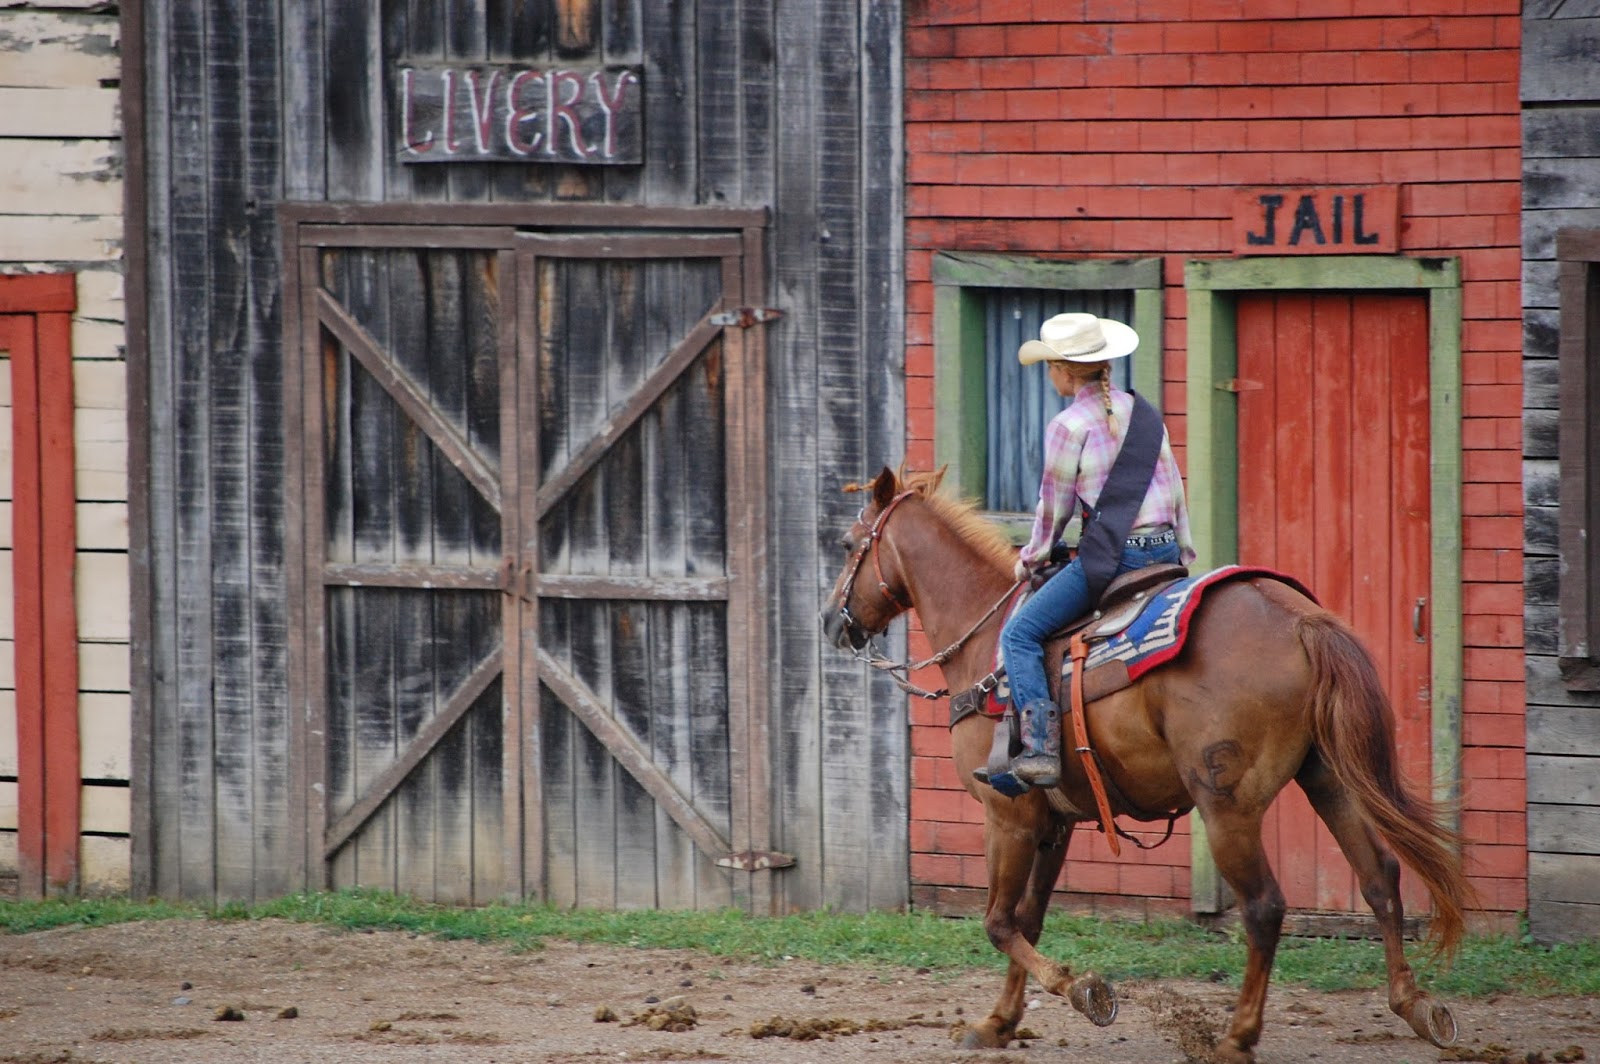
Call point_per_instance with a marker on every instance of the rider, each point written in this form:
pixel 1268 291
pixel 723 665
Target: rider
pixel 1081 445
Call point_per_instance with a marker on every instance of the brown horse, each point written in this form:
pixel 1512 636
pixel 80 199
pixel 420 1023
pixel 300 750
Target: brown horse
pixel 1269 688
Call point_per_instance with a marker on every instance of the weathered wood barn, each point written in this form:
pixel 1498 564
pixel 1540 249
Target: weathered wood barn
pixel 484 493
pixel 1561 483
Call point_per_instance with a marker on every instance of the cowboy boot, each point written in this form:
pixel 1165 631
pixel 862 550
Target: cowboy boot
pixel 1040 763
pixel 1007 745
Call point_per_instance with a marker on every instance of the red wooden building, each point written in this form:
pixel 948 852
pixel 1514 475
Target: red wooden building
pixel 1310 211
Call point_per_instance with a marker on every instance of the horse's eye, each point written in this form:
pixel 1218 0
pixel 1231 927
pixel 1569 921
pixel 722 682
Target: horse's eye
pixel 847 543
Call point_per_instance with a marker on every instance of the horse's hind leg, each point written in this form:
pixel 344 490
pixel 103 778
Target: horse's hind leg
pixel 1235 839
pixel 1379 874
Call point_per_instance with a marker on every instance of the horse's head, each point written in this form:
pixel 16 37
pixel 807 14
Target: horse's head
pixel 871 589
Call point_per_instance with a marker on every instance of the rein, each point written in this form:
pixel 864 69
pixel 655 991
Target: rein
pixel 870 654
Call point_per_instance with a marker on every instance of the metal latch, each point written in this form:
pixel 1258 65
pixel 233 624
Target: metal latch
pixel 744 317
pixel 755 860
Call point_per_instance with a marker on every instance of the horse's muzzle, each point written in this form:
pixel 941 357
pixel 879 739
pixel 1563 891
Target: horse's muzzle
pixel 841 634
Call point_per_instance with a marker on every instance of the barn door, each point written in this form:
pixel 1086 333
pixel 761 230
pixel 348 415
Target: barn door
pixel 533 499
pixel 642 518
pixel 409 390
pixel 1334 489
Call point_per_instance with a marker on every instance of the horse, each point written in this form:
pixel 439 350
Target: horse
pixel 1269 687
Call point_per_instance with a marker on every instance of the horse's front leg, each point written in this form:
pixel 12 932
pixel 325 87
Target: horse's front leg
pixel 1024 861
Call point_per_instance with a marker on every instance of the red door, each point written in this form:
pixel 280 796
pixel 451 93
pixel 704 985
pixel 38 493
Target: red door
pixel 1334 489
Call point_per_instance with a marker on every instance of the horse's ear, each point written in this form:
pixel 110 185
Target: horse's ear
pixel 884 488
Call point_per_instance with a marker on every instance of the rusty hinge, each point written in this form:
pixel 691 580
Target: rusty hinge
pixel 744 317
pixel 755 860
pixel 1239 384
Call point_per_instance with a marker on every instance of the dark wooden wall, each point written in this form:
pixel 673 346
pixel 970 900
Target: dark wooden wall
pixel 234 107
pixel 1561 161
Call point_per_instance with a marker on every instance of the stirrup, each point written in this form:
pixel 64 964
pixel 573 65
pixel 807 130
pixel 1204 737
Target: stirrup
pixel 998 773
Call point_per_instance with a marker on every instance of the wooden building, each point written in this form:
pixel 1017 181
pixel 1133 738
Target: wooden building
pixel 64 608
pixel 1561 481
pixel 1309 211
pixel 479 495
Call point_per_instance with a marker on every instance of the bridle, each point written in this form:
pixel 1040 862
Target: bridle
pixel 868 651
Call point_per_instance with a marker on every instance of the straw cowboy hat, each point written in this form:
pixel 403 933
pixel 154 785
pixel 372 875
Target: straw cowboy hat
pixel 1078 338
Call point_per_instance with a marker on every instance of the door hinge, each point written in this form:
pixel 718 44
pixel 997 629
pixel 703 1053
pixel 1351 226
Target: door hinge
pixel 1238 384
pixel 744 317
pixel 755 860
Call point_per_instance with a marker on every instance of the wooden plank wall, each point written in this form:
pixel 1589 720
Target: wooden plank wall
pixel 1561 157
pixel 780 104
pixel 61 191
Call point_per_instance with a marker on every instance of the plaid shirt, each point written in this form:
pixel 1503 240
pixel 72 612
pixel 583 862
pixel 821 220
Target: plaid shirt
pixel 1079 449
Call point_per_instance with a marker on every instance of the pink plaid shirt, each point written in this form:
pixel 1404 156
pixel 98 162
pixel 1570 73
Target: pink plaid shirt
pixel 1079 449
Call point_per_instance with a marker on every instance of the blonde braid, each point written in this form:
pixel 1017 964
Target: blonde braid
pixel 1105 394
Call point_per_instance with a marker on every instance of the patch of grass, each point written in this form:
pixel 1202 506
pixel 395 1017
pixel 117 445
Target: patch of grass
pixel 1160 949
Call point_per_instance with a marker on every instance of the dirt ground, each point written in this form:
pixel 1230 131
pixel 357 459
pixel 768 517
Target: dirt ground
pixel 154 992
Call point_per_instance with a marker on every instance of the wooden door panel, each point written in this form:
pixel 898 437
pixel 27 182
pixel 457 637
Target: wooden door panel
pixel 633 566
pixel 1334 488
pixel 411 551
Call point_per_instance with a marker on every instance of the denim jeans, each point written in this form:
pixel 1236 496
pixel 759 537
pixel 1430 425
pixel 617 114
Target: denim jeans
pixel 1063 599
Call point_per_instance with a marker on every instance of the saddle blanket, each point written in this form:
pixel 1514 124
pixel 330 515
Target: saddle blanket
pixel 1157 635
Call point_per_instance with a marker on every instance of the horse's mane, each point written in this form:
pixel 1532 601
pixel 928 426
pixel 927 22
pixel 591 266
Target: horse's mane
pixel 964 519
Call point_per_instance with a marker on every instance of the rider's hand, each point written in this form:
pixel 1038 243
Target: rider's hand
pixel 1020 571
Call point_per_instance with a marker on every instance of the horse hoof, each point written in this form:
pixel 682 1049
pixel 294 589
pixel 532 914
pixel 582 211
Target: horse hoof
pixel 1224 1053
pixel 981 1037
pixel 1433 1022
pixel 1093 996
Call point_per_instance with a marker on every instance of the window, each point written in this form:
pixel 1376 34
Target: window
pixel 1578 523
pixel 990 410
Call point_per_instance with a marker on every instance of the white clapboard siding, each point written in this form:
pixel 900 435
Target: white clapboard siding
pixel 8 732
pixel 104 809
pixel 54 176
pixel 100 294
pixel 103 735
pixel 103 865
pixel 93 339
pixel 64 238
pixel 8 853
pixel 102 597
pixel 100 386
pixel 102 525
pixel 8 665
pixel 8 628
pixel 8 806
pixel 5 524
pixel 39 113
pixel 103 667
pixel 59 49
pixel 101 458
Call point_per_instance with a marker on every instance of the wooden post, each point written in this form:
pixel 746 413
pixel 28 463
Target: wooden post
pixel 36 329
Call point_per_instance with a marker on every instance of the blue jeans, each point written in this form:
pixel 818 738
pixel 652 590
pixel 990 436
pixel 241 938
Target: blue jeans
pixel 1063 599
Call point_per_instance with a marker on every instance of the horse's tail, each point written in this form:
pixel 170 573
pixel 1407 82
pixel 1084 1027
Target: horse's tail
pixel 1352 724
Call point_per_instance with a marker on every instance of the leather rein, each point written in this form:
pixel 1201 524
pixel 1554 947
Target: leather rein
pixel 869 652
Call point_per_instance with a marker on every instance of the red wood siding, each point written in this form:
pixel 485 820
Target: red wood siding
pixel 1081 130
pixel 36 332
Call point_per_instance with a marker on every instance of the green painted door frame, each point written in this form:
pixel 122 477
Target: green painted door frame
pixel 1213 459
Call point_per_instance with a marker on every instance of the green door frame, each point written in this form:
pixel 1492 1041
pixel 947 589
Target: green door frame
pixel 1213 458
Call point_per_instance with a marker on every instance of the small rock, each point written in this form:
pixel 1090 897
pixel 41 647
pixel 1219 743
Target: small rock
pixel 288 1012
pixel 180 1000
pixel 809 988
pixel 186 985
pixel 651 1000
pixel 380 1025
pixel 228 1012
